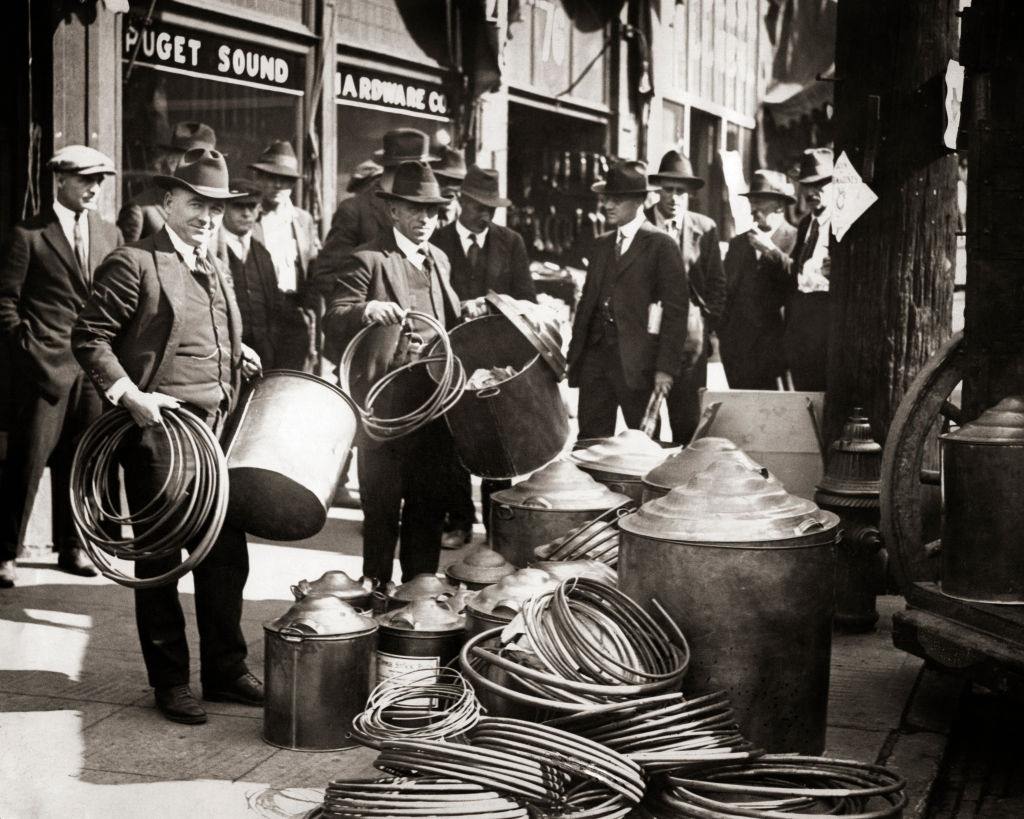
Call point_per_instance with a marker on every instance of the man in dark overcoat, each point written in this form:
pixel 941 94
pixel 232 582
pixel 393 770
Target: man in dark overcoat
pixel 399 271
pixel 162 330
pixel 757 276
pixel 45 277
pixel 484 257
pixel 630 326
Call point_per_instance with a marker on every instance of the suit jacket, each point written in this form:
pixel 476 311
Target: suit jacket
pixel 358 220
pixel 42 291
pixel 129 327
pixel 376 272
pixel 757 290
pixel 651 270
pixel 506 267
pixel 307 240
pixel 257 331
pixel 702 261
pixel 144 215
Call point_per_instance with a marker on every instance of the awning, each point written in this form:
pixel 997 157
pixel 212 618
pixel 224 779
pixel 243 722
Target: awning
pixel 789 101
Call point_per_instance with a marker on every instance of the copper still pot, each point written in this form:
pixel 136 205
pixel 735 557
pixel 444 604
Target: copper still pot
pixel 357 593
pixel 425 634
pixel 679 467
pixel 621 462
pixel 480 568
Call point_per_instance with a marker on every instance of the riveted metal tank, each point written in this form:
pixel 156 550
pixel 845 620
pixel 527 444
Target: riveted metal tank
pixel 747 571
pixel 318 667
pixel 679 467
pixel 621 462
pixel 425 634
pixel 546 505
pixel 983 506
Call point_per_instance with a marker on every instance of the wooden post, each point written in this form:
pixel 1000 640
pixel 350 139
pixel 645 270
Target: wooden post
pixel 994 316
pixel 892 275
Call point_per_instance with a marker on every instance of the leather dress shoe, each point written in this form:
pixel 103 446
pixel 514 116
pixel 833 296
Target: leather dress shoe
pixel 246 690
pixel 74 561
pixel 455 539
pixel 8 574
pixel 178 704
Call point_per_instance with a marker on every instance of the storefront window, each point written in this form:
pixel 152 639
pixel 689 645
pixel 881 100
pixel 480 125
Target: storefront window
pixel 249 94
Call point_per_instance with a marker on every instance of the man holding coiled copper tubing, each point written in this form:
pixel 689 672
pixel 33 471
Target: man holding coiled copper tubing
pixel 162 330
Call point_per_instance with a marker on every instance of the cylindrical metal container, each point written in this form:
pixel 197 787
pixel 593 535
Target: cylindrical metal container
pixel 621 462
pixel 549 503
pixel 287 453
pixel 425 634
pixel 747 571
pixel 424 586
pixel 983 506
pixel 498 604
pixel 357 593
pixel 677 469
pixel 480 568
pixel 517 425
pixel 318 666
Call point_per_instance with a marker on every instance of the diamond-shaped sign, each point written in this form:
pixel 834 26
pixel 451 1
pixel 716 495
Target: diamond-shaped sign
pixel 848 195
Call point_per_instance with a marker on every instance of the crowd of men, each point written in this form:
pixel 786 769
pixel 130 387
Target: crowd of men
pixel 205 280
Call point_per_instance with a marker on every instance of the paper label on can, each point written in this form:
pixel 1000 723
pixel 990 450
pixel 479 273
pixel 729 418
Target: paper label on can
pixel 391 665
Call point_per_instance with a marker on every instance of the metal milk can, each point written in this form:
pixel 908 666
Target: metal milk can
pixel 983 506
pixel 677 469
pixel 621 462
pixel 748 572
pixel 425 634
pixel 318 664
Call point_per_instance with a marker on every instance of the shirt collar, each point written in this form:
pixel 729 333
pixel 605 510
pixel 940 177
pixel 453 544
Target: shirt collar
pixel 628 230
pixel 238 243
pixel 185 250
pixel 413 252
pixel 464 233
pixel 282 209
pixel 65 214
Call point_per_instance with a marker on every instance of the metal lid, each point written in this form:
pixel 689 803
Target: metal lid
pixel 334 582
pixel 730 503
pixel 481 565
pixel 425 614
pixel 698 456
pixel 854 466
pixel 566 569
pixel 563 487
pixel 321 615
pixel 630 452
pixel 512 591
pixel 545 337
pixel 1001 424
pixel 423 586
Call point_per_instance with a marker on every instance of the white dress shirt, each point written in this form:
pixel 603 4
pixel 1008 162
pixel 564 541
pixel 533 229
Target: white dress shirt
pixel 413 252
pixel 671 226
pixel 627 231
pixel 239 245
pixel 464 234
pixel 814 278
pixel 67 218
pixel 279 239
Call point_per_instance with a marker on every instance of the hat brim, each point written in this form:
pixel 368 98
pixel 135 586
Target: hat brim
pixel 275 170
pixel 810 180
pixel 454 176
pixel 694 182
pixel 92 170
pixel 394 162
pixel 602 187
pixel 415 200
pixel 488 201
pixel 784 196
pixel 171 182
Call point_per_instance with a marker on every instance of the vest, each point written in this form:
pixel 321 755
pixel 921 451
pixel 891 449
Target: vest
pixel 252 298
pixel 425 296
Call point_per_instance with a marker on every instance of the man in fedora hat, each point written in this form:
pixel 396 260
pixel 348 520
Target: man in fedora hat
pixel 398 272
pixel 45 277
pixel 252 271
pixel 697 237
pixel 289 234
pixel 630 325
pixel 362 175
pixel 756 271
pixel 450 171
pixel 162 330
pixel 484 257
pixel 144 214
pixel 807 311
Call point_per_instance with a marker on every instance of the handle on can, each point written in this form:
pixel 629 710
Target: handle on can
pixel 488 392
pixel 537 502
pixel 502 512
pixel 809 524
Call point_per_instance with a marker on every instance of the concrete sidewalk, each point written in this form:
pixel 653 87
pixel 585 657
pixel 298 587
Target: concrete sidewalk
pixel 79 735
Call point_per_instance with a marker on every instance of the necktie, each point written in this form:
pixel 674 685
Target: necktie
pixel 83 262
pixel 473 253
pixel 620 240
pixel 809 244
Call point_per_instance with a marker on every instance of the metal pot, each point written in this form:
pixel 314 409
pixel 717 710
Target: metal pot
pixel 983 507
pixel 498 604
pixel 748 572
pixel 425 634
pixel 422 587
pixel 683 465
pixel 318 663
pixel 621 462
pixel 546 505
pixel 480 568
pixel 357 593
pixel 287 453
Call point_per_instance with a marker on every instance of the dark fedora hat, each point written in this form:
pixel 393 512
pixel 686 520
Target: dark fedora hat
pixel 278 160
pixel 815 165
pixel 481 185
pixel 675 167
pixel 452 166
pixel 771 183
pixel 415 182
pixel 202 171
pixel 187 135
pixel 403 145
pixel 363 174
pixel 625 178
pixel 250 190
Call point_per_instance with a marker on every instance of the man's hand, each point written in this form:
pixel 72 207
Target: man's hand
pixel 662 382
pixel 383 312
pixel 474 308
pixel 251 364
pixel 761 243
pixel 144 407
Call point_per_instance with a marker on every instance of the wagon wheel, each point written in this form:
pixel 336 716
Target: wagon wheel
pixel 924 410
